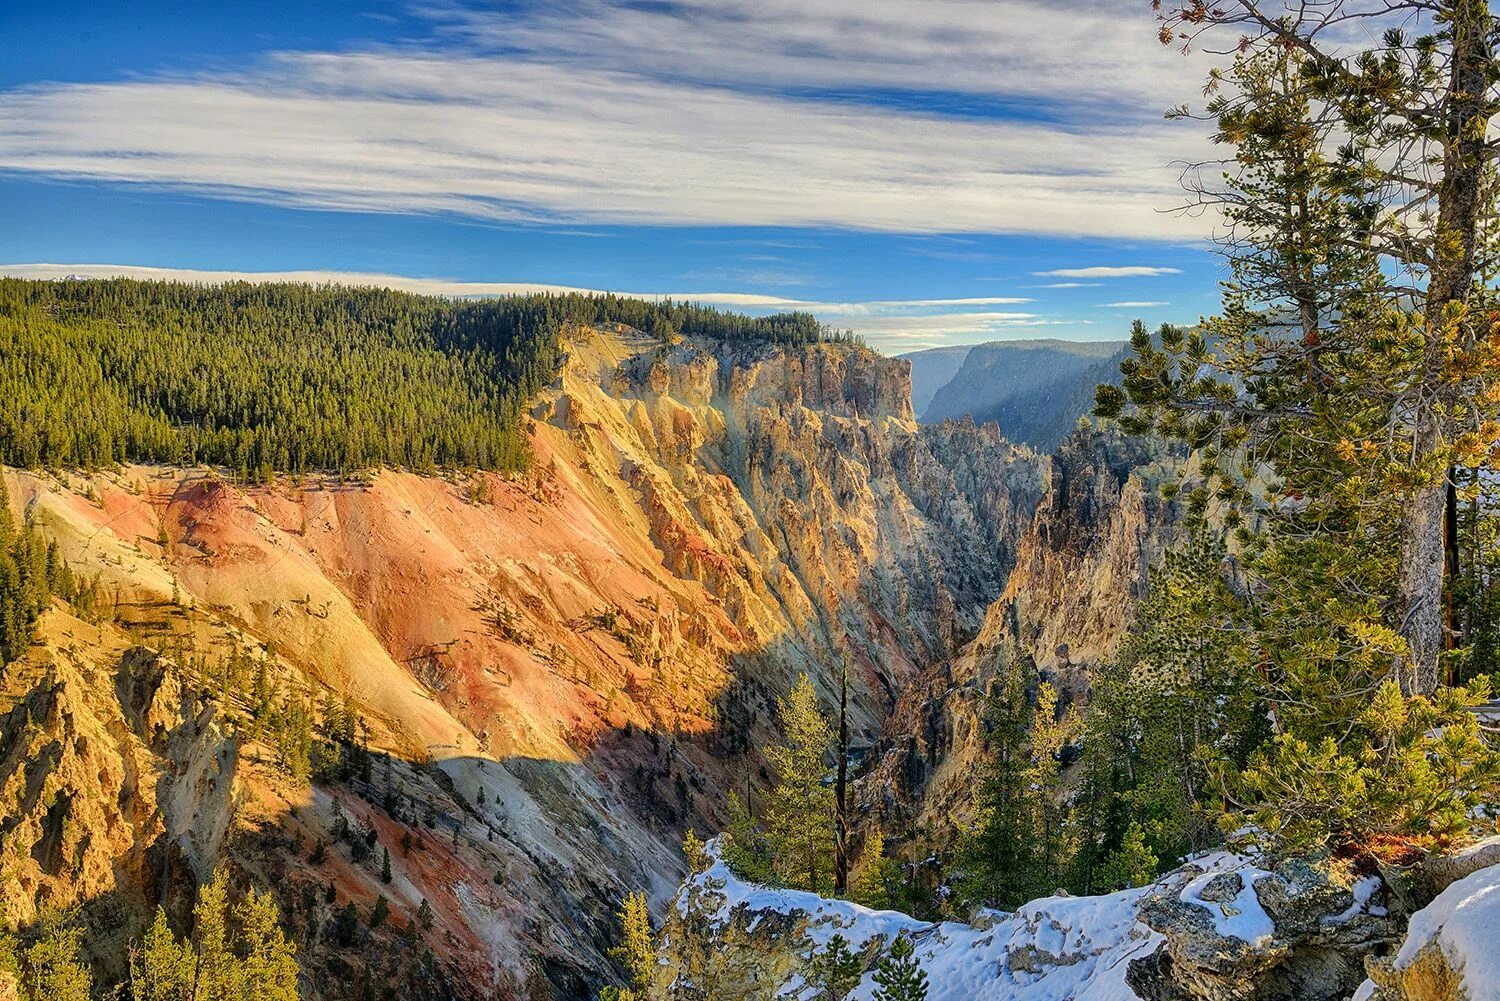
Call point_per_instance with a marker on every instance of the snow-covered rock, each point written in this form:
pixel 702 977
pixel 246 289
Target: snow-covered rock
pixel 725 938
pixel 1451 949
pixel 1297 931
pixel 1219 927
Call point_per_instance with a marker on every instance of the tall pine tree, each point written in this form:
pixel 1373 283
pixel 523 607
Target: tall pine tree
pixel 1356 351
pixel 637 948
pixel 800 808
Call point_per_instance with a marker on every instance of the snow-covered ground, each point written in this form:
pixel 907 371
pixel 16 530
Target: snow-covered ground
pixel 1243 918
pixel 1060 948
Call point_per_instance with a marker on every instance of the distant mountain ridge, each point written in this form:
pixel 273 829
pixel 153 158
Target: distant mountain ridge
pixel 932 369
pixel 1034 389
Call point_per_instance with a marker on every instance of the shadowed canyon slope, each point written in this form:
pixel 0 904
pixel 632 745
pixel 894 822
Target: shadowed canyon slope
pixel 560 672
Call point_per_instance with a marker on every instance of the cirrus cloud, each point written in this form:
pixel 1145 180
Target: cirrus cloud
pixel 1125 271
pixel 777 114
pixel 1113 62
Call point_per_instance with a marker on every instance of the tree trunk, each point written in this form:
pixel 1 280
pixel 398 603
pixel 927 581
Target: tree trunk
pixel 1421 587
pixel 1460 192
pixel 1451 563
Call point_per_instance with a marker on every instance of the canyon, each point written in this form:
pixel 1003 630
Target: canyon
pixel 557 673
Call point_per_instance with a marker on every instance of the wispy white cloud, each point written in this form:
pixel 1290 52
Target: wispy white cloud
pixel 887 305
pixel 898 326
pixel 575 112
pixel 897 333
pixel 1131 305
pixel 1080 55
pixel 1125 271
pixel 424 286
pixel 1071 285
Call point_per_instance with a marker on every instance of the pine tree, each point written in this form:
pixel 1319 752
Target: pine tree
pixel 385 864
pixel 800 808
pixel 380 911
pixel 1051 731
pixel 268 961
pixel 237 952
pixel 160 968
pixel 215 969
pixel 836 970
pixel 1365 396
pixel 694 851
pixel 1183 706
pixel 10 968
pixel 637 949
pixel 1384 386
pixel 1132 864
pixel 50 967
pixel 874 874
pixel 745 848
pixel 1412 769
pixel 1022 846
pixel 900 976
pixel 26 582
pixel 999 856
pixel 424 914
pixel 294 745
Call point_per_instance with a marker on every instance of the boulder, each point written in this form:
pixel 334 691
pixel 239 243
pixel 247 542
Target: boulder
pixel 1232 931
pixel 1449 952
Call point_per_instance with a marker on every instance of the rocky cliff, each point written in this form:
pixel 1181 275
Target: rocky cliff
pixel 115 781
pixel 555 674
pixel 1080 572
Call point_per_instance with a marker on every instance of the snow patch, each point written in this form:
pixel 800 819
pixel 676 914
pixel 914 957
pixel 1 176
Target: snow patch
pixel 1243 918
pixel 1363 890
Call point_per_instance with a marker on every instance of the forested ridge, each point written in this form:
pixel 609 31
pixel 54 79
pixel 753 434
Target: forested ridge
pixel 264 378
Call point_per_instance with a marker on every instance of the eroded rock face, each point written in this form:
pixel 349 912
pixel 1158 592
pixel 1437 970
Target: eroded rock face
pixel 1082 566
pixel 793 484
pixel 104 798
pixel 198 759
pixel 1449 949
pixel 834 378
pixel 1079 573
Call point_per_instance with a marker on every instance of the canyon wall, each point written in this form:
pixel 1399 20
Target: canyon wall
pixel 1080 572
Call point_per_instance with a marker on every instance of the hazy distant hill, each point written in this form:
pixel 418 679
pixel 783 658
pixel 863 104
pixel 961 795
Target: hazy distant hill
pixel 932 369
pixel 1036 390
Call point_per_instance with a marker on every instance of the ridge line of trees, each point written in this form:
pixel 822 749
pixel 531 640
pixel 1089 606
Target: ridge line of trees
pixel 268 378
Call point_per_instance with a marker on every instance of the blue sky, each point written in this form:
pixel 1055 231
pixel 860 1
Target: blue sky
pixel 926 172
